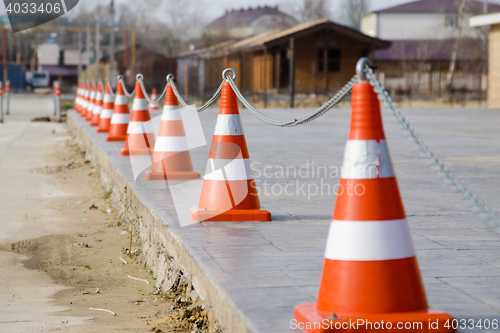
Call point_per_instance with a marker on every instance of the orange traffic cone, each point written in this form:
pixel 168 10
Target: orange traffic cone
pixel 96 112
pixel 91 105
pixel 77 99
pixel 140 136
pixel 154 97
pixel 121 116
pixel 107 111
pixel 229 192
pixel 171 158
pixel 80 97
pixel 85 101
pixel 370 275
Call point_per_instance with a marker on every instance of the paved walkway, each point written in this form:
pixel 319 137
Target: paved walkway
pixel 266 269
pixel 26 295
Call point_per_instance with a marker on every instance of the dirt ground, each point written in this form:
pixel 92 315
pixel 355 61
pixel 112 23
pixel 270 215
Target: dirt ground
pixel 91 256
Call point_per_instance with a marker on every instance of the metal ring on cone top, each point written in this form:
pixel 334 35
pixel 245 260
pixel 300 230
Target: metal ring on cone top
pixel 170 76
pixel 139 77
pixel 360 67
pixel 224 73
pixel 119 77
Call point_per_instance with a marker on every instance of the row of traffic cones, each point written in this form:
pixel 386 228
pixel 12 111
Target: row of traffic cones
pixel 370 276
pixel 170 150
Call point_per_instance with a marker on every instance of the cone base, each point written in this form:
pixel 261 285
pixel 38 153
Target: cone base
pixel 197 214
pixel 117 138
pixel 99 130
pixel 314 321
pixel 140 151
pixel 172 175
pixel 94 124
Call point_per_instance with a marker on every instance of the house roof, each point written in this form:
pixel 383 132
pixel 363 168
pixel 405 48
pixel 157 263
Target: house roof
pixel 275 37
pixel 485 19
pixel 439 6
pixel 279 36
pixel 242 17
pixel 431 50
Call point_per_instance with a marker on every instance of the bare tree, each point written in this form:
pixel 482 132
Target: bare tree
pixel 308 10
pixel 454 53
pixel 160 25
pixel 353 10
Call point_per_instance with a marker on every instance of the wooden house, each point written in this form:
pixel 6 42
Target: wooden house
pixel 313 57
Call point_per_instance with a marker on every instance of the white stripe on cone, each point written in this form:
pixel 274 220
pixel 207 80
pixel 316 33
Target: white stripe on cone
pixel 140 127
pixel 97 108
pixel 139 104
pixel 369 240
pixel 106 113
pixel 90 107
pixel 121 100
pixel 171 112
pixel 367 159
pixel 108 98
pixel 228 124
pixel 85 102
pixel 171 144
pixel 120 118
pixel 237 169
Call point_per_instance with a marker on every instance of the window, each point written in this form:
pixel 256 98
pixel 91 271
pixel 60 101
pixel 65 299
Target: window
pixel 61 58
pixel 333 60
pixel 451 21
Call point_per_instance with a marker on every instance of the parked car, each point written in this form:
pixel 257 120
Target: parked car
pixel 37 79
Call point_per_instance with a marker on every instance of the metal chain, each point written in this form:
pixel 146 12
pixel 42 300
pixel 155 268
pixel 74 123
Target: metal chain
pixel 108 84
pixel 125 88
pixel 150 101
pixel 294 122
pixel 442 170
pixel 170 79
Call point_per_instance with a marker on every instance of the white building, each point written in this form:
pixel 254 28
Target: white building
pixel 53 54
pixel 423 37
pixel 423 19
pixel 61 61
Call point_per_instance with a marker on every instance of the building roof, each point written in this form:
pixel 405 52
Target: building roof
pixel 60 70
pixel 279 36
pixel 431 50
pixel 242 17
pixel 439 6
pixel 275 37
pixel 485 19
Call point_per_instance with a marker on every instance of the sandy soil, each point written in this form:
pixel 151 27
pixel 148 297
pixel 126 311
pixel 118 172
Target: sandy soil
pixel 82 260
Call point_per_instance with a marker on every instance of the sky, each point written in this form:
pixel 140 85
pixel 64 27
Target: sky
pixel 216 8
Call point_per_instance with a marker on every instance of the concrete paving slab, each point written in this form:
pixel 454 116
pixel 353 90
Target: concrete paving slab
pixel 262 270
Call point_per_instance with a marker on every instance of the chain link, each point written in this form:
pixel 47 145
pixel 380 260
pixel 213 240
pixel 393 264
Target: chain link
pixel 205 106
pixel 442 170
pixel 294 122
pixel 125 89
pixel 150 101
pixel 108 85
